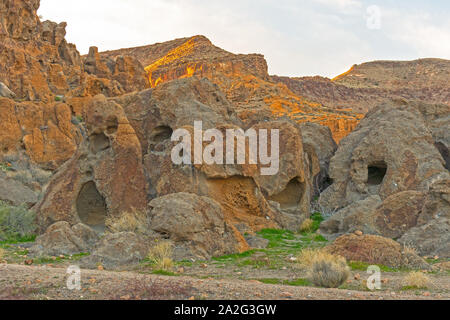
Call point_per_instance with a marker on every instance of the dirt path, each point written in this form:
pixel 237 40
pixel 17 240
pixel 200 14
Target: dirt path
pixel 44 282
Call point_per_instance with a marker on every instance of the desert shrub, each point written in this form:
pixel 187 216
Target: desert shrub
pixel 306 256
pixel 409 250
pixel 416 280
pixel 324 269
pixel 133 221
pixel 160 256
pixel 306 225
pixel 16 223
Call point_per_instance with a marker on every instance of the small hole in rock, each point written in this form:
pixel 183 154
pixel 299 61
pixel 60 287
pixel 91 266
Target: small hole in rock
pixel 376 173
pixel 159 136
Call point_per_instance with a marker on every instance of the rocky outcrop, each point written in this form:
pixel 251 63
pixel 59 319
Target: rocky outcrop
pixel 104 177
pixel 318 143
pixel 126 70
pixel 243 78
pixel 376 250
pixel 123 164
pixel 391 151
pixel 389 178
pixel 46 134
pixel 15 192
pixel 246 196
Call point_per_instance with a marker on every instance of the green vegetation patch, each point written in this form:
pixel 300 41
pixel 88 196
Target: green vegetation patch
pixel 17 224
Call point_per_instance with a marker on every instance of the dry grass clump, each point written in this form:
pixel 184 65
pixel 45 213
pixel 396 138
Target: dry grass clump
pixel 324 269
pixel 160 256
pixel 2 254
pixel 416 280
pixel 133 221
pixel 307 225
pixel 409 250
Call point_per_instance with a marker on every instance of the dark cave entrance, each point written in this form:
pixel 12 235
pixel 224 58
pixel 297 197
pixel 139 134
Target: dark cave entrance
pixel 160 135
pixel 443 150
pixel 376 173
pixel 91 207
pixel 291 196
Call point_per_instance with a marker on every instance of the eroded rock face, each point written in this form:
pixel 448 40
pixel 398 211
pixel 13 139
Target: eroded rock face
pixel 196 225
pixel 376 250
pixel 318 142
pixel 390 218
pixel 390 178
pixel 246 196
pixel 104 177
pixel 15 192
pixel 126 70
pixel 45 134
pixel 391 151
pixel 244 79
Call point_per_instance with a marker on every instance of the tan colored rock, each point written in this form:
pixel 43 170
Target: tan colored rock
pixel 245 194
pixel 62 239
pixel 104 177
pixel 375 250
pixel 5 92
pixel 391 151
pixel 116 250
pixel 10 131
pixel 196 225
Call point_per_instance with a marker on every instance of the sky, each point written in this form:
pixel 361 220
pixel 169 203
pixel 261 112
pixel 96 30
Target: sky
pixel 297 37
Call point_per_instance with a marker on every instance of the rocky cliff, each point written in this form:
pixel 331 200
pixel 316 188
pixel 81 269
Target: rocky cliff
pixel 243 78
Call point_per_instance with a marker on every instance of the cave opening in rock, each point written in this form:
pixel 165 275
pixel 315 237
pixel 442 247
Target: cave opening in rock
pixel 99 142
pixel 291 196
pixel 159 136
pixel 376 173
pixel 91 207
pixel 443 150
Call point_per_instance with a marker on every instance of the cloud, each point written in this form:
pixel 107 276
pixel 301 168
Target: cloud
pixel 310 37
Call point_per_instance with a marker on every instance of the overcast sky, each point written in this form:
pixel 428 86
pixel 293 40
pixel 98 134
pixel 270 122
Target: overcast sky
pixel 297 37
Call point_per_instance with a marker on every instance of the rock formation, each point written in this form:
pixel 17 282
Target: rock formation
pixel 389 178
pixel 243 78
pixel 104 177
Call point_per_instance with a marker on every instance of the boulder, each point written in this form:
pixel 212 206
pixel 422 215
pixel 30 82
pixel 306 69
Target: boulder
pixel 195 224
pixel 430 239
pixel 15 192
pixel 390 218
pixel 116 250
pixel 376 250
pixel 62 239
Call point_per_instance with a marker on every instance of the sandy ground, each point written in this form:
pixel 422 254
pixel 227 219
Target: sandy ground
pixel 48 282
